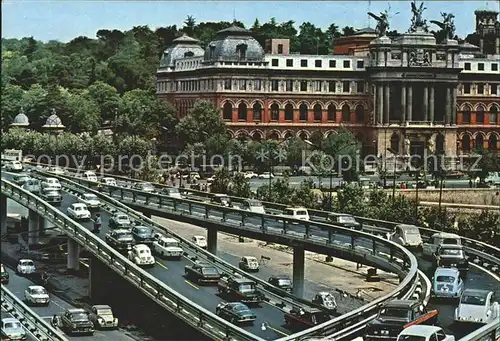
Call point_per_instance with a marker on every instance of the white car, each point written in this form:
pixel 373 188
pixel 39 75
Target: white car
pixel 326 300
pixel 90 176
pixel 109 181
pixel 477 306
pixel 171 192
pixel 79 211
pixel 90 200
pixel 406 235
pixel 14 166
pixel 12 329
pixel 266 175
pixel 141 255
pixel 52 183
pixel 200 241
pixel 26 267
pixel 296 213
pixel 167 247
pixel 250 175
pixel 253 205
pixel 56 170
pixel 424 333
pixel 429 248
pixel 249 263
pixel 102 317
pixel 447 283
pixel 36 294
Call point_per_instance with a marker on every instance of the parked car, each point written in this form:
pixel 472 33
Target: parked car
pixel 51 183
pixel 344 220
pixel 4 275
pixel 253 205
pixel 429 248
pixel 266 175
pixel 326 300
pixel 281 281
pixel 120 220
pixel 144 186
pixel 447 283
pixel 20 179
pixel 120 239
pixel 90 176
pixel 171 192
pixel 406 235
pixel 108 181
pixel 26 267
pixel 76 321
pixel 200 241
pixel 14 166
pixel 202 273
pixel 302 318
pixel 235 312
pixel 221 199
pixel 167 247
pixel 141 255
pixel 102 317
pixel 477 306
pixel 236 288
pixel 79 211
pixel 143 234
pixel 424 333
pixel 90 200
pixel 52 196
pixel 250 175
pixel 36 295
pixel 32 186
pixel 452 256
pixel 249 263
pixel 296 213
pixel 12 329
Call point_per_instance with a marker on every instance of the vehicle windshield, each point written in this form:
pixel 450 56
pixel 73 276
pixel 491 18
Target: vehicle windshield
pixel 199 239
pixel 445 279
pixel 411 230
pixel 79 317
pixel 78 208
pixel 393 313
pixel 288 212
pixel 13 325
pixel 173 190
pixel 255 204
pixel 247 287
pixel 477 299
pixel 284 282
pixel 144 252
pixel 28 263
pixel 90 197
pixel 346 219
pixel 122 218
pixel 452 241
pixel 39 291
pixel 209 271
pixel 240 307
pixel 328 299
pixel 51 193
pixel 143 230
pixel 411 338
pixel 172 244
pixel 147 186
pixel 124 236
pixel 104 312
pixel 451 252
pixel 301 213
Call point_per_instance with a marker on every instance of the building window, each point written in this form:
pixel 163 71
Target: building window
pixel 257 112
pixel 212 51
pixel 275 112
pixel 242 112
pixel 332 112
pixel 317 63
pixel 333 63
pixel 494 115
pixel 243 84
pixel 480 66
pixel 242 50
pixel 257 84
pixel 280 48
pixel 227 112
pixel 467 66
pixel 303 62
pixel 347 64
pixel 316 85
pixel 275 62
pixel 360 87
pixel 494 67
pixel 480 115
pixel 289 62
pixel 360 114
pixel 331 86
pixel 346 86
pixel 274 85
pixel 360 64
pixel 318 112
pixel 346 113
pixel 466 143
pixel 227 84
pixel 467 88
pixel 288 112
pixel 480 89
pixel 466 115
pixel 303 112
pixel 492 143
pixel 494 89
pixel 303 85
pixel 289 85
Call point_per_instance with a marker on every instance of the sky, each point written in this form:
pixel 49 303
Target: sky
pixel 64 20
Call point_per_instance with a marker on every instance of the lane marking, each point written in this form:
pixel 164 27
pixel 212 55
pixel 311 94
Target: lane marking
pixel 163 266
pixel 277 330
pixel 57 304
pixel 486 270
pixel 191 284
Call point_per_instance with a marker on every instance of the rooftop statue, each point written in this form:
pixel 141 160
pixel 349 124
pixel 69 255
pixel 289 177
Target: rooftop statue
pixel 417 21
pixel 447 25
pixel 382 22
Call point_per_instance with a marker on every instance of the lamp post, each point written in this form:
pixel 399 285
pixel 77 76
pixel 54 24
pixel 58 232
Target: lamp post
pixel 271 158
pixel 395 153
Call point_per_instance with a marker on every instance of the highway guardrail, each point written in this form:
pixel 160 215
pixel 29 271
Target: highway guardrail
pixel 490 332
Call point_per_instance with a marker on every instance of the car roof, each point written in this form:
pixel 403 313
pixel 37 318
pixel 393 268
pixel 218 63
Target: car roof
pixel 102 306
pixel 89 173
pixel 78 204
pixel 280 276
pixel 253 201
pixel 476 292
pixel 76 310
pixel 25 260
pixel 9 319
pixel 447 271
pixel 121 214
pixel 296 208
pixel 249 257
pixel 236 303
pixel 451 246
pixel 141 246
pixel 168 239
pixel 198 236
pixel 420 330
pixel 221 195
pixel 52 179
pixel 324 293
pixel 401 303
pixel 242 280
pixel 121 231
pixel 446 235
pixel 36 287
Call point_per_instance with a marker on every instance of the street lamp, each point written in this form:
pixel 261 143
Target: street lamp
pixel 394 152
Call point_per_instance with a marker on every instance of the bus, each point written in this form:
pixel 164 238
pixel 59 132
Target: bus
pixel 12 155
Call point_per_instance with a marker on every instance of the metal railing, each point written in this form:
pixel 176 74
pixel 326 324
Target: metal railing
pixel 489 332
pixel 33 323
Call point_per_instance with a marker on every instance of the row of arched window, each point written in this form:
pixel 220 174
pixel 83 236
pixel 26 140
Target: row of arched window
pixel 467 143
pixel 480 114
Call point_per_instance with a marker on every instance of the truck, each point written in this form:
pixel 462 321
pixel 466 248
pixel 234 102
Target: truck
pixel 239 289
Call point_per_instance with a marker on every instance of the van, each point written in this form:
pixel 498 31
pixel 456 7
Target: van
pixel 90 176
pixel 296 213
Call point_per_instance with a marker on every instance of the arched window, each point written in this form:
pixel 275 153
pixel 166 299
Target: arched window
pixel 303 136
pixel 257 112
pixel 492 143
pixel 303 112
pixel 480 115
pixel 466 115
pixel 395 142
pixel 273 136
pixel 346 113
pixel 466 143
pixel 227 111
pixel 494 115
pixel 257 136
pixel 318 112
pixel 241 49
pixel 288 112
pixel 188 54
pixel 332 113
pixel 242 112
pixel 275 112
pixel 288 135
pixel 360 114
pixel 440 144
pixel 479 142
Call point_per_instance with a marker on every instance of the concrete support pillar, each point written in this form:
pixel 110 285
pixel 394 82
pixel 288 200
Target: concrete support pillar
pixel 33 227
pixel 409 103
pixel 41 225
pixel 387 107
pixel 73 260
pixel 403 103
pixel 448 106
pixel 298 271
pixel 426 104
pixel 212 241
pixel 431 104
pixel 3 214
pixel 454 106
pixel 380 103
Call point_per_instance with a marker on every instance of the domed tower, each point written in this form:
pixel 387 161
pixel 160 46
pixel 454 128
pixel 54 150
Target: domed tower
pixel 183 47
pixel 234 44
pixel 488 26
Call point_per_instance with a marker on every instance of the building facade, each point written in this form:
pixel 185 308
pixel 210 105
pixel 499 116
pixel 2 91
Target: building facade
pixel 410 93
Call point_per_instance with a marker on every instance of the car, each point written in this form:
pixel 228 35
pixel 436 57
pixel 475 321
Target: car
pixel 202 273
pixel 120 239
pixel 249 263
pixel 90 176
pixel 451 256
pixel 167 247
pixel 36 294
pixel 108 181
pixel 171 192
pixel 102 317
pixel 120 220
pixel 4 276
pixel 210 179
pixel 429 248
pixel 76 321
pixel 20 179
pixel 266 175
pixel 281 281
pixel 12 329
pixel 32 186
pixel 14 166
pixel 235 312
pixel 250 175
pixel 90 200
pixel 406 235
pixel 200 241
pixel 424 333
pixel 477 306
pixel 253 205
pixel 141 255
pixel 305 318
pixel 26 267
pixel 143 234
pixel 344 220
pixel 300 213
pixel 493 178
pixel 52 196
pixel 144 187
pixel 221 199
pixel 447 283
pixel 56 170
pixel 237 288
pixel 79 211
pixel 326 300
pixel 51 183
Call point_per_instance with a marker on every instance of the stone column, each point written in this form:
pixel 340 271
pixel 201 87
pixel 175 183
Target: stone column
pixel 212 241
pixel 431 104
pixel 454 106
pixel 33 232
pixel 298 271
pixel 387 93
pixel 73 257
pixel 409 103
pixel 380 103
pixel 403 104
pixel 426 104
pixel 448 106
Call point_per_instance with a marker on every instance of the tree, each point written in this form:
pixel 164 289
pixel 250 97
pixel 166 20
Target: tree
pixel 83 114
pixel 189 25
pixel 201 122
pixel 239 186
pixel 11 104
pixel 107 99
pixel 344 148
pixel 221 181
pixel 348 31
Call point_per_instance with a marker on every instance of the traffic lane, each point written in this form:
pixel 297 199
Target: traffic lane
pixel 29 336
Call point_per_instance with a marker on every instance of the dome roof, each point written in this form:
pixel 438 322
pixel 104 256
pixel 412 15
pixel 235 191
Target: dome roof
pixel 183 47
pixel 234 44
pixel 53 122
pixel 485 10
pixel 20 120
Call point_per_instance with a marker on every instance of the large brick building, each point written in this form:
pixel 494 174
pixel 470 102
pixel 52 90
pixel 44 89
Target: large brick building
pixel 410 93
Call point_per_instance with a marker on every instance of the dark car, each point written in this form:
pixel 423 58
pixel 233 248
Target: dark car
pixel 76 321
pixel 32 185
pixel 52 196
pixel 21 179
pixel 240 289
pixel 143 234
pixel 397 315
pixel 120 220
pixel 202 273
pixel 344 220
pixel 451 255
pixel 4 275
pixel 281 281
pixel 122 240
pixel 235 312
pixel 305 318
